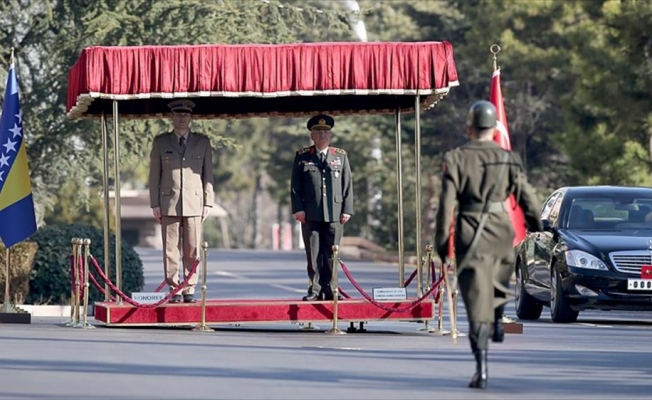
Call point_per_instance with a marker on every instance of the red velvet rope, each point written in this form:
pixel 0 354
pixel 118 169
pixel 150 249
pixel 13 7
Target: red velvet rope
pixel 128 300
pixel 383 307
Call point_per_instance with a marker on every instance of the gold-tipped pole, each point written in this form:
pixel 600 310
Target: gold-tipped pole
pixel 495 49
pixel 202 327
pixel 7 308
pixel 336 292
pixel 86 248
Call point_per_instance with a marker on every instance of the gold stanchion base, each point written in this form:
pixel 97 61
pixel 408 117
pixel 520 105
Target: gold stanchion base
pixel 202 328
pixel 335 331
pixel 426 328
pixel 84 325
pixel 459 334
pixel 69 323
pixel 309 327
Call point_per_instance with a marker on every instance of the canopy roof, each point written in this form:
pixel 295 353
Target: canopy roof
pixel 240 81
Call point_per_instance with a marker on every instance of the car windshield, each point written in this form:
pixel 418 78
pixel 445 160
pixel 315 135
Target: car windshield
pixel 593 212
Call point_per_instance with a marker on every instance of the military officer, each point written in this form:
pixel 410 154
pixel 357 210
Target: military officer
pixel 479 176
pixel 181 193
pixel 322 200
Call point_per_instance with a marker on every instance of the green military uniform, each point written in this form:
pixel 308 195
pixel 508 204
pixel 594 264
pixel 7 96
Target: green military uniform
pixel 480 176
pixel 470 171
pixel 323 189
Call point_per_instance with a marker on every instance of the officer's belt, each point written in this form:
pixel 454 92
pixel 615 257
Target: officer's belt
pixel 492 207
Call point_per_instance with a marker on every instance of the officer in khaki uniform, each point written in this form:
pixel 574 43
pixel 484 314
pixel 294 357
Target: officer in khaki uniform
pixel 479 176
pixel 322 200
pixel 181 193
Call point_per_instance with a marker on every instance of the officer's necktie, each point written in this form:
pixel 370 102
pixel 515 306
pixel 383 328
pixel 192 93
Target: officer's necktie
pixel 182 142
pixel 322 157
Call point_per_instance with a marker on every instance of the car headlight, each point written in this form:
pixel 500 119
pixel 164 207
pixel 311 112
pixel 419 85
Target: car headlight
pixel 582 259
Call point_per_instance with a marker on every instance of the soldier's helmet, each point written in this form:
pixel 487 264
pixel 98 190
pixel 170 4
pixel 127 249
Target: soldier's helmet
pixel 482 115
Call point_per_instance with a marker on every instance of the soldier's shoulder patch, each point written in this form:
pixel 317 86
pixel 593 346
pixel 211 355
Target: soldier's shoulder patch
pixel 338 150
pixel 303 150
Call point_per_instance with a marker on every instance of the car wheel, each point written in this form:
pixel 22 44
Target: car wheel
pixel 560 310
pixel 527 307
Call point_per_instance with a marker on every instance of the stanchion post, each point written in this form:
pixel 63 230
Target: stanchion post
pixel 426 263
pixel 77 254
pixel 73 282
pixel 86 248
pixel 440 331
pixel 336 292
pixel 204 256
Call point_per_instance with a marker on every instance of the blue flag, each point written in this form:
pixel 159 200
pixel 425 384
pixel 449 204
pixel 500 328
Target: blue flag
pixel 17 218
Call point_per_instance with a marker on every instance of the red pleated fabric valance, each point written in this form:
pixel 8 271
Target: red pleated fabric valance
pixel 238 81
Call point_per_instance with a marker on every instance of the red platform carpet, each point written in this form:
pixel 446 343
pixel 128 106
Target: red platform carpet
pixel 256 311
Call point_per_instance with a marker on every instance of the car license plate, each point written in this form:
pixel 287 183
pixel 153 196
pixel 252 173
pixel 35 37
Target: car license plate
pixel 639 284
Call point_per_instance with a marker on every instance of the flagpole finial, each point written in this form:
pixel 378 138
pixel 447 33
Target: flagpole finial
pixel 495 49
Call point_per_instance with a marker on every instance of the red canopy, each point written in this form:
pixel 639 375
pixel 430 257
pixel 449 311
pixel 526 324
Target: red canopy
pixel 237 81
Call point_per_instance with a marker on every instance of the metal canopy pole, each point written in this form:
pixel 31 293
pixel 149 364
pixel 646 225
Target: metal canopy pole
pixel 118 230
pixel 399 192
pixel 107 211
pixel 417 156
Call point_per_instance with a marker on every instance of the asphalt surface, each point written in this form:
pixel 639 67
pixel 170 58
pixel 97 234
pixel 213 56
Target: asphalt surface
pixel 603 355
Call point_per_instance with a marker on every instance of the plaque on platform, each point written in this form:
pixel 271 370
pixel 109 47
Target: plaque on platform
pixel 389 294
pixel 148 297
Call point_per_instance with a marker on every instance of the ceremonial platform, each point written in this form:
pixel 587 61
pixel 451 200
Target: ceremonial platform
pixel 244 311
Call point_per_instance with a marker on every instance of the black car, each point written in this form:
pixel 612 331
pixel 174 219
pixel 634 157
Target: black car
pixel 595 253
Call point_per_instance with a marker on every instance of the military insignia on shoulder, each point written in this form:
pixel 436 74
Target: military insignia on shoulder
pixel 303 150
pixel 338 150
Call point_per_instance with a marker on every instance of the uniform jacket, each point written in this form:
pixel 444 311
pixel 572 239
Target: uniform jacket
pixel 324 191
pixel 469 172
pixel 181 183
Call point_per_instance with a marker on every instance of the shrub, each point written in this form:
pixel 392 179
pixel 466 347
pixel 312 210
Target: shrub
pixel 21 259
pixel 50 278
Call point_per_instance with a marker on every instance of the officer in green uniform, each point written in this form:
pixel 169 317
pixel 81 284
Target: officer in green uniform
pixel 322 200
pixel 479 176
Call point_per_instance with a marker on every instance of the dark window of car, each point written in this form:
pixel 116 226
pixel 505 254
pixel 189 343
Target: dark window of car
pixel 600 212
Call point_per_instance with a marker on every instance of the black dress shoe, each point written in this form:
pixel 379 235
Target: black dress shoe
pixel 329 297
pixel 176 298
pixel 310 297
pixel 189 298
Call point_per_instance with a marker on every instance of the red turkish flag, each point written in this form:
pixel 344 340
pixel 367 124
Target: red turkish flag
pixel 501 136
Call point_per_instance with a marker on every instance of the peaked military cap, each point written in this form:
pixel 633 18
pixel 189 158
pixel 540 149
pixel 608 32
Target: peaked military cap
pixel 321 122
pixel 181 105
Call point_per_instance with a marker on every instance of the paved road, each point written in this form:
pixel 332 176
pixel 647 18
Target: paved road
pixel 604 355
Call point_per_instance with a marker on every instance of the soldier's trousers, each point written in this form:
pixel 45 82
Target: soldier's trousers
pixel 180 232
pixel 319 238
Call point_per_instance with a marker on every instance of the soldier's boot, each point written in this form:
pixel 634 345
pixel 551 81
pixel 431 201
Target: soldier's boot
pixel 499 330
pixel 479 338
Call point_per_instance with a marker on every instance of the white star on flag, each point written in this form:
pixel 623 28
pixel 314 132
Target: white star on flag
pixel 10 146
pixel 20 116
pixel 16 130
pixel 3 160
